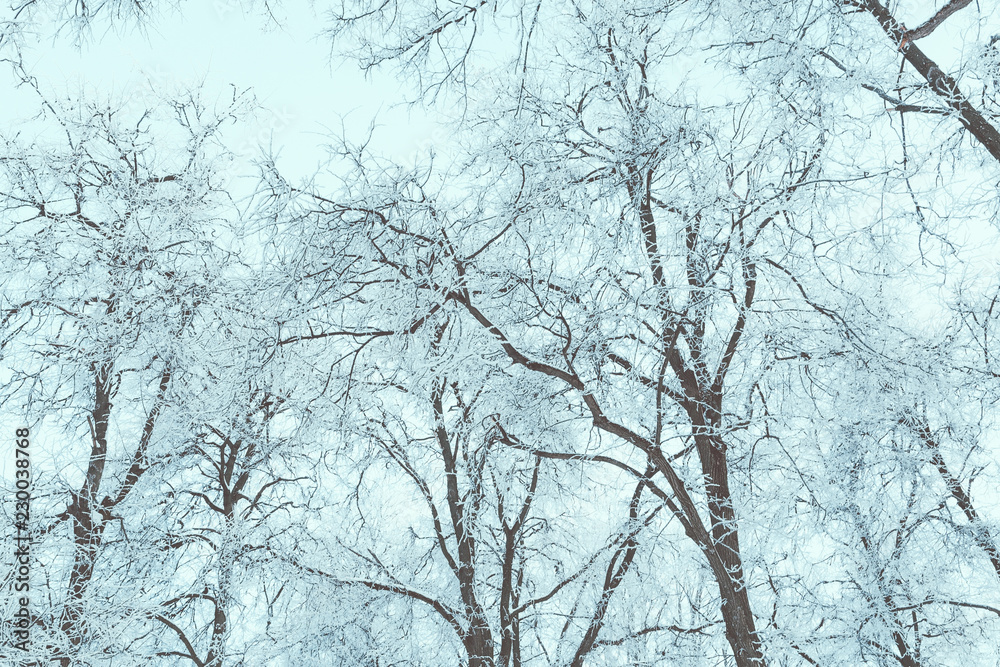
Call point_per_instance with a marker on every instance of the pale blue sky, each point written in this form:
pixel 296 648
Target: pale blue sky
pixel 216 45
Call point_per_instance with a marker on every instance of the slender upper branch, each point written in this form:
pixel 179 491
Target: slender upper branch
pixel 928 26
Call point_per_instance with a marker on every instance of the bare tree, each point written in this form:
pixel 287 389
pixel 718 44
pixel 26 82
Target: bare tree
pixel 679 351
pixel 107 264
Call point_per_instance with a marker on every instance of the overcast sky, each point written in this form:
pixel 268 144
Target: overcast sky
pixel 215 45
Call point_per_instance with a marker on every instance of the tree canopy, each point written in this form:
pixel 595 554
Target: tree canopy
pixel 674 348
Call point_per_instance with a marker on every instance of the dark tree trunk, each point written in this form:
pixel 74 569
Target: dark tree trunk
pixel 943 85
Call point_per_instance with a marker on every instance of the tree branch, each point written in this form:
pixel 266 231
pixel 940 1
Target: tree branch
pixel 928 26
pixel 943 85
pixel 451 616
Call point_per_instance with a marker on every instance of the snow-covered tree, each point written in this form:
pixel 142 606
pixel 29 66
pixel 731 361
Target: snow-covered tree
pixel 679 350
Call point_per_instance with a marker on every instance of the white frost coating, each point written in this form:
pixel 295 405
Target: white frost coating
pixel 674 347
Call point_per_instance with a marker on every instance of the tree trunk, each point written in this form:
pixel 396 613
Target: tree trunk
pixel 87 535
